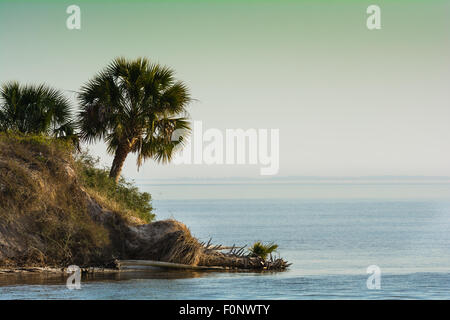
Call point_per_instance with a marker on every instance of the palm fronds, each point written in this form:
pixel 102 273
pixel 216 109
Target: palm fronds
pixel 135 106
pixel 262 250
pixel 35 109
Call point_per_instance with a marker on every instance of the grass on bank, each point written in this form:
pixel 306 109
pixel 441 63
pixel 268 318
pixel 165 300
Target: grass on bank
pixel 44 212
pixel 124 197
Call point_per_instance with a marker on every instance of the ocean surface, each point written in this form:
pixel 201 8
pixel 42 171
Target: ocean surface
pixel 331 230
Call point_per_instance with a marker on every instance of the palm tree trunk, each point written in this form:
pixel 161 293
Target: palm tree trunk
pixel 119 159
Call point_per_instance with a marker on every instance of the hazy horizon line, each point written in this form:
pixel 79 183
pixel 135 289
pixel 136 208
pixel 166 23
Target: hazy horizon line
pixel 295 177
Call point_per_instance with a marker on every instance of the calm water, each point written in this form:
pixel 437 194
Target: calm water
pixel 331 232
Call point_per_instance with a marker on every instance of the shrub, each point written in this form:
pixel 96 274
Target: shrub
pixel 261 250
pixel 123 196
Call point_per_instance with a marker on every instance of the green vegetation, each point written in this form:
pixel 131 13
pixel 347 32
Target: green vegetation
pixel 58 207
pixel 261 250
pixel 31 109
pixel 44 190
pixel 135 106
pixel 52 189
pixel 37 196
pixel 123 196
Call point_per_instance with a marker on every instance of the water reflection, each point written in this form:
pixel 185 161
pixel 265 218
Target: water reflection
pixel 32 278
pixel 136 273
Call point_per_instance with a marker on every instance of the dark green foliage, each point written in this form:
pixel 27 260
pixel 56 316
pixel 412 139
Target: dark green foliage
pixel 262 250
pixel 125 194
pixel 135 106
pixel 31 109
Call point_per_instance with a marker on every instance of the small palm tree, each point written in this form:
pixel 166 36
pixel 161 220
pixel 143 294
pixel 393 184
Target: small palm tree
pixel 35 109
pixel 262 250
pixel 135 106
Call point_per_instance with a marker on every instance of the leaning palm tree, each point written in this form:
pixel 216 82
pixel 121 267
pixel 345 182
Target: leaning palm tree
pixel 35 109
pixel 136 107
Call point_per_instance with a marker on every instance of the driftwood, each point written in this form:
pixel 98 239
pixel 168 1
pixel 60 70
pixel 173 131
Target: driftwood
pixel 238 258
pixel 211 258
pixel 161 264
pixel 169 244
pixel 245 264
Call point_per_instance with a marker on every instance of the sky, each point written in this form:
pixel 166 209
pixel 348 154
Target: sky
pixel 348 101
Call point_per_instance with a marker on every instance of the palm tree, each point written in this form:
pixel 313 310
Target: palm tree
pixel 135 106
pixel 35 109
pixel 262 250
